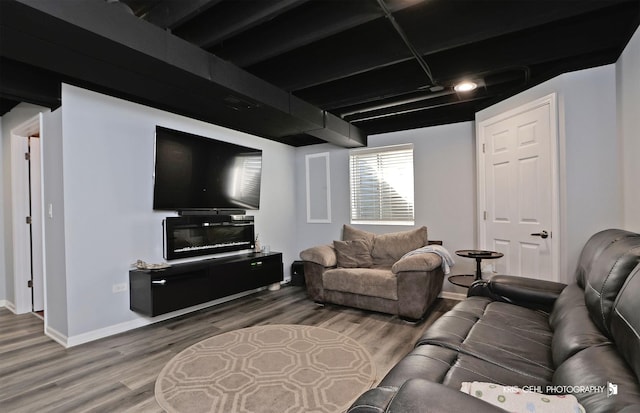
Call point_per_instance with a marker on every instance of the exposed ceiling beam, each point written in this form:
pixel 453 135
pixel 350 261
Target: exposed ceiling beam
pixel 341 56
pixel 6 105
pixel 484 58
pixel 333 58
pixel 460 112
pixel 24 83
pixel 457 23
pixel 551 42
pixel 354 51
pixel 304 25
pixel 169 14
pixel 108 50
pixel 237 17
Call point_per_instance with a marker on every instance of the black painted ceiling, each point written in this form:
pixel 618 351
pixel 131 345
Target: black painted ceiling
pixel 382 65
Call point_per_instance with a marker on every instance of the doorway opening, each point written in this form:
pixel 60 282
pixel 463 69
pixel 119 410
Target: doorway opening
pixel 27 217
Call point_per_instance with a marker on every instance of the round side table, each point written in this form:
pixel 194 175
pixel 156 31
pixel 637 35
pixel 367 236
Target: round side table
pixel 465 280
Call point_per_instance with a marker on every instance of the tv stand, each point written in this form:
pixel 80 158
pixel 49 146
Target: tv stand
pixel 215 211
pixel 155 292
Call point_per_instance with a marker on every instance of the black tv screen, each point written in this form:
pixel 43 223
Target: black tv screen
pixel 193 172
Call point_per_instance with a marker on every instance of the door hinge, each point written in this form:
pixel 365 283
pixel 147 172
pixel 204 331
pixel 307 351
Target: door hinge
pixel 30 284
pixel 27 156
pixel 485 215
pixel 483 148
pixel 28 220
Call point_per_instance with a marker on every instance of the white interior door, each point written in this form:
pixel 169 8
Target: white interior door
pixel 28 240
pixel 21 230
pixel 519 195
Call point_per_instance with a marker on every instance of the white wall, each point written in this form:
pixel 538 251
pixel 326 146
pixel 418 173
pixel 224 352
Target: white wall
pixel 18 115
pixel 590 175
pixel 628 94
pixel 3 266
pixel 55 254
pixel 109 223
pixel 444 168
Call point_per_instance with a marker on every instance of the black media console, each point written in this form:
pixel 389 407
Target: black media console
pixel 155 292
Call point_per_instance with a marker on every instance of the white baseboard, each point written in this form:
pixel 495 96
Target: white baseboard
pixel 56 336
pixel 75 340
pixel 8 305
pixel 452 296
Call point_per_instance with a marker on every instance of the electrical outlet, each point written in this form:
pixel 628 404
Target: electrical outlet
pixel 119 288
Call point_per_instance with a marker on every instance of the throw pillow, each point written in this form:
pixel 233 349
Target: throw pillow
pixel 353 254
pixel 350 233
pixel 389 248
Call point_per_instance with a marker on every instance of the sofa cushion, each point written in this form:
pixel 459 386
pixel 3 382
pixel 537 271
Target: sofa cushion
pixel 452 368
pixel 592 249
pixel 389 248
pixel 593 368
pixel 353 254
pixel 571 297
pixel 419 395
pixel 470 368
pixel 606 277
pixel 513 341
pixel 573 329
pixel 515 338
pixel 625 321
pixel 453 327
pixel 350 233
pixel 364 281
pixel 423 362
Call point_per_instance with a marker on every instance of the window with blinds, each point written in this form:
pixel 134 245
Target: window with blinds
pixel 381 181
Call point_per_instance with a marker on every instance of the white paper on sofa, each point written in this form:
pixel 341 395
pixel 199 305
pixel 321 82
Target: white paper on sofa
pixel 514 399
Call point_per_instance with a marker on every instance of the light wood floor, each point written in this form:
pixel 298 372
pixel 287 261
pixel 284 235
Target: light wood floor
pixel 118 373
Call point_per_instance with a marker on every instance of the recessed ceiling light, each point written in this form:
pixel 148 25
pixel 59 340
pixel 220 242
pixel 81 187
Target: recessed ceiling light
pixel 465 86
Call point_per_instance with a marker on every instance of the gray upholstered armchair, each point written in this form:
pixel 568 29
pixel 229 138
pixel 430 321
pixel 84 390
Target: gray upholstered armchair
pixel 373 272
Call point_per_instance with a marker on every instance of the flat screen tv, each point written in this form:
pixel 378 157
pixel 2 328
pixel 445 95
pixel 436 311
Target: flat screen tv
pixel 197 173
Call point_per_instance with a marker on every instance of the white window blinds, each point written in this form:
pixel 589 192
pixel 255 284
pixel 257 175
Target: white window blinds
pixel 381 181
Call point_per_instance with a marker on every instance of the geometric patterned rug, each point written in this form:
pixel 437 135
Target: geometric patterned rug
pixel 267 369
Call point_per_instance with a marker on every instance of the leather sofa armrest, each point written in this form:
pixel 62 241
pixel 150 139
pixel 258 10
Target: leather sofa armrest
pixel 419 396
pixel 522 291
pixel 324 255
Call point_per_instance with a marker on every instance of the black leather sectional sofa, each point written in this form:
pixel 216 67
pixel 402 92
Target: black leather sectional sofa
pixel 531 334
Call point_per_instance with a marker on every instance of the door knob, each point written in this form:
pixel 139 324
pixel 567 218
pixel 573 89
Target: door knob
pixel 543 234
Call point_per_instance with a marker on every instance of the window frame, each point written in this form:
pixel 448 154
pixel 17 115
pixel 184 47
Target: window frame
pixel 380 152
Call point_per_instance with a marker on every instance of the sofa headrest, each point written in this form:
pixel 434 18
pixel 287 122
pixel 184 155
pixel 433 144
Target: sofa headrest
pixel 350 233
pixel 606 276
pixel 594 247
pixel 625 320
pixel 388 248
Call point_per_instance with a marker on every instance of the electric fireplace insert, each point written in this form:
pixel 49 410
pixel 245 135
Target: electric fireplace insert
pixel 190 236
